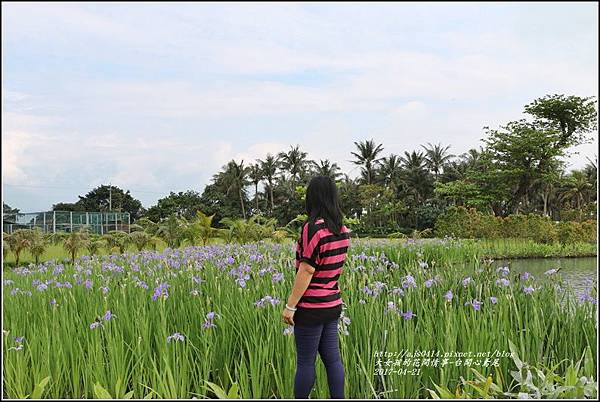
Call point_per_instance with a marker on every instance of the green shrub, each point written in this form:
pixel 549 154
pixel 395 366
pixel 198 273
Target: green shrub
pixel 572 231
pixel 469 223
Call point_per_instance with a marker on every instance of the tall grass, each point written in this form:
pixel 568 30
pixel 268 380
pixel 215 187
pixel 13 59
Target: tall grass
pixel 130 352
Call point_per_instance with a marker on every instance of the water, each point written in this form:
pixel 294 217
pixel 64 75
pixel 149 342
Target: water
pixel 576 271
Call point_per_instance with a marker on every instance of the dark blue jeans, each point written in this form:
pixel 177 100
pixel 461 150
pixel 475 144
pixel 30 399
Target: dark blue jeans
pixel 321 338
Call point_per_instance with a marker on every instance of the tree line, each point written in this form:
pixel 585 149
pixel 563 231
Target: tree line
pixel 518 170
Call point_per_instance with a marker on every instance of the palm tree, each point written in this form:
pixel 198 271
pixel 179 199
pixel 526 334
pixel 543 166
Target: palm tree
pixel 118 239
pixel 238 229
pixel 472 156
pixel 326 168
pixel 5 245
pixel 269 171
pixel 367 158
pixel 75 241
pixel 95 244
pixel 390 170
pixel 201 227
pixel 140 239
pixel 235 177
pixel 577 188
pixel 591 172
pixel 294 162
pixel 171 230
pixel 436 157
pixel 38 244
pixel 256 175
pixel 415 178
pixel 18 241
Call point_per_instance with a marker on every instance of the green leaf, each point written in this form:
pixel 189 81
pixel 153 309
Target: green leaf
pixel 444 392
pixel 118 388
pixel 219 392
pixel 101 393
pixel 515 355
pixel 233 391
pixel 128 395
pixel 39 389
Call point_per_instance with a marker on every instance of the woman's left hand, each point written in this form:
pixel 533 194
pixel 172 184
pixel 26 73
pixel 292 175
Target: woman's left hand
pixel 288 316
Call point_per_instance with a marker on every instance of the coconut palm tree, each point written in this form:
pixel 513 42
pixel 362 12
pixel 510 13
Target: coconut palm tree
pixel 326 168
pixel 236 178
pixel 367 158
pixel 390 170
pixel 577 188
pixel 294 162
pixel 472 156
pixel 436 157
pixel 415 175
pixel 256 175
pixel 269 171
pixel 591 172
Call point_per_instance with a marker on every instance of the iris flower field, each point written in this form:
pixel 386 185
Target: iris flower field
pixel 177 323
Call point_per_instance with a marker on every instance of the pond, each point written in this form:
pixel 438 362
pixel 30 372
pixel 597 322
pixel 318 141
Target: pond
pixel 576 271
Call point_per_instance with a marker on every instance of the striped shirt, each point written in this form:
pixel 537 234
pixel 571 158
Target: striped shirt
pixel 326 252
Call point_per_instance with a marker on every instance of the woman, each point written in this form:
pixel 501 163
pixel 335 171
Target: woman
pixel 315 304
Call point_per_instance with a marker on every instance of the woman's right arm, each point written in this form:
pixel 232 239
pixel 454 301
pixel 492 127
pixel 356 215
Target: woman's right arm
pixel 303 277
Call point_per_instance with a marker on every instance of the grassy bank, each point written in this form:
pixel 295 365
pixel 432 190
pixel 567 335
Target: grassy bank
pixel 463 250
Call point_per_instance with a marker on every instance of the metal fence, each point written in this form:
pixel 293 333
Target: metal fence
pixel 67 221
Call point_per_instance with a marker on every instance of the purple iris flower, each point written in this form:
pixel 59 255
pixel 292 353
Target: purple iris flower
pixel 161 291
pixel 428 283
pixel 476 304
pixel 409 281
pixel 466 281
pixel 108 315
pixel 448 296
pixel 503 282
pixel 493 300
pixel 504 271
pixel 277 277
pixel 176 337
pixel 528 290
pixel 408 315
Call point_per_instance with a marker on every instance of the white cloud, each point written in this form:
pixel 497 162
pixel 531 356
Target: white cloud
pixel 148 96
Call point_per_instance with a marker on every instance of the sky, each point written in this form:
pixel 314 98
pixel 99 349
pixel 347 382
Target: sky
pixel 157 97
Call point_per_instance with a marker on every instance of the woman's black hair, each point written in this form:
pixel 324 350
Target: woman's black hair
pixel 323 201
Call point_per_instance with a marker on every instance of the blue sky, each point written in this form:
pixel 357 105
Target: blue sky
pixel 156 97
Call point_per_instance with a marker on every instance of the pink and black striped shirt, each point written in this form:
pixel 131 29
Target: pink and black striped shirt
pixel 326 252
